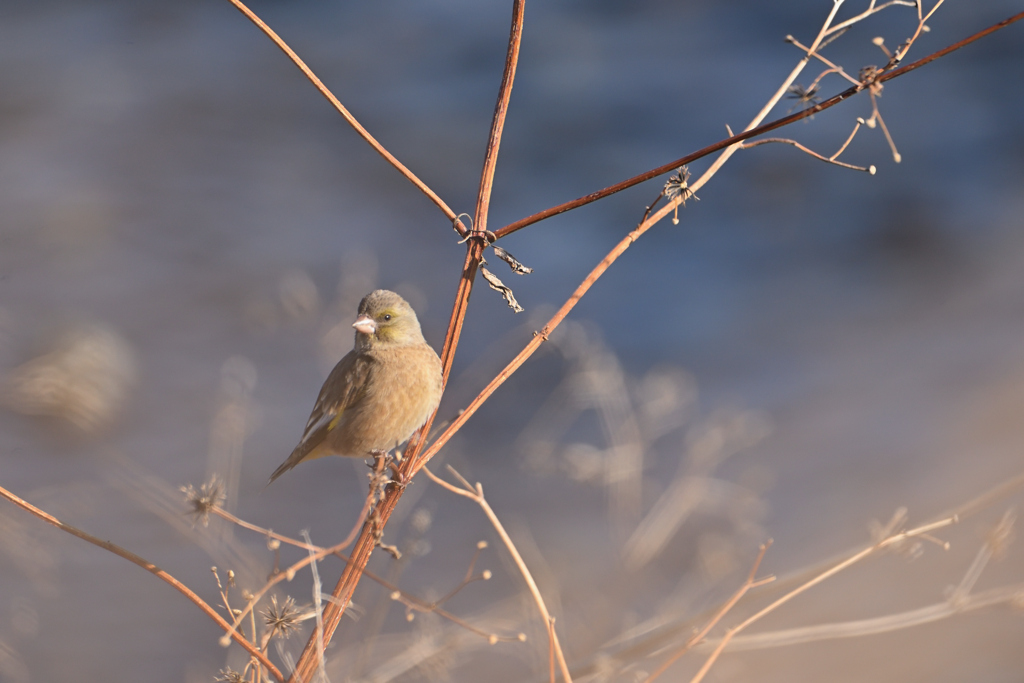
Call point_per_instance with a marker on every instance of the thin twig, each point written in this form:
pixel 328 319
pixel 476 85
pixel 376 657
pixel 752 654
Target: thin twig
pixel 823 576
pixel 750 583
pixel 149 567
pixel 367 540
pixel 739 137
pixel 900 52
pixel 833 68
pixel 365 543
pixel 856 127
pixel 483 200
pixel 318 633
pixel 476 494
pixel 877 116
pixel 351 120
pixel 315 553
pixel 938 54
pixel 872 9
pixel 876 625
pixel 827 160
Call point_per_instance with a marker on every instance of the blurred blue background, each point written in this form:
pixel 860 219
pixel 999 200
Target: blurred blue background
pixel 187 226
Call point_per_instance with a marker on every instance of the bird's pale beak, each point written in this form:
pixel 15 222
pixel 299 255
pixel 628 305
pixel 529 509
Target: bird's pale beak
pixel 365 324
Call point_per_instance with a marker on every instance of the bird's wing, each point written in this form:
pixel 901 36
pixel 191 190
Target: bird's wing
pixel 343 388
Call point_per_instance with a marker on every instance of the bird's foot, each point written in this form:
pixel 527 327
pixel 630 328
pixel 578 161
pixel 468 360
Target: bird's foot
pixel 378 480
pixel 385 461
pixel 398 477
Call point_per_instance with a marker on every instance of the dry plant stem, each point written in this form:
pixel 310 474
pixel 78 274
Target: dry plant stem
pixel 551 650
pixel 877 116
pixel 729 145
pixel 895 73
pixel 351 120
pixel 430 608
pixel 846 144
pixel 872 9
pixel 731 140
pixel 750 583
pixel 321 664
pixel 774 100
pixel 149 567
pixel 920 27
pixel 315 554
pixel 877 625
pixel 972 507
pixel 542 336
pixel 224 514
pixel 342 594
pixel 476 494
pixel 958 601
pixel 474 252
pixel 827 160
pixel 364 545
pixel 833 68
pixel 483 199
pixel 829 573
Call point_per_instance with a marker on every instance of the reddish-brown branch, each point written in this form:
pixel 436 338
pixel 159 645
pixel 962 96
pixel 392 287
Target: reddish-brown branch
pixel 483 199
pixel 351 120
pixel 412 464
pixel 367 540
pixel 152 569
pixel 754 132
pixel 540 337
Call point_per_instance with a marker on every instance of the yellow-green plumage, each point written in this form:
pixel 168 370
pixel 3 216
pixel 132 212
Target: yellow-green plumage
pixel 381 392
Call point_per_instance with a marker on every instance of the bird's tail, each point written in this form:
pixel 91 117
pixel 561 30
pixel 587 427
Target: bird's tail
pixel 304 451
pixel 291 462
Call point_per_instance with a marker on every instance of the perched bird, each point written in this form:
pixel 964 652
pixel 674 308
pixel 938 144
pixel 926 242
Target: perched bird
pixel 379 393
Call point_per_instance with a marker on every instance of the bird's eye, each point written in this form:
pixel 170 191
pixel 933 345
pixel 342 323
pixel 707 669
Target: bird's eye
pixel 387 316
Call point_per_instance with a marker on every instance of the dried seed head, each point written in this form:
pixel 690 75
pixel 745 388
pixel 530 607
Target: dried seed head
pixel 229 675
pixel 803 95
pixel 284 618
pixel 678 186
pixel 208 496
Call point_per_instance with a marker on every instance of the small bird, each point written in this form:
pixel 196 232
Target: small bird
pixel 381 392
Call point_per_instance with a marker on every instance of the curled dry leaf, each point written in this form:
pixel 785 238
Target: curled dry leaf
pixel 517 267
pixel 499 286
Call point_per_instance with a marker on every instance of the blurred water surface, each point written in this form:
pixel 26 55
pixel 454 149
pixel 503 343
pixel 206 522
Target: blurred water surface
pixel 808 350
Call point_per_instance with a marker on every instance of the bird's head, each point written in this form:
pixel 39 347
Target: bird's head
pixel 385 318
